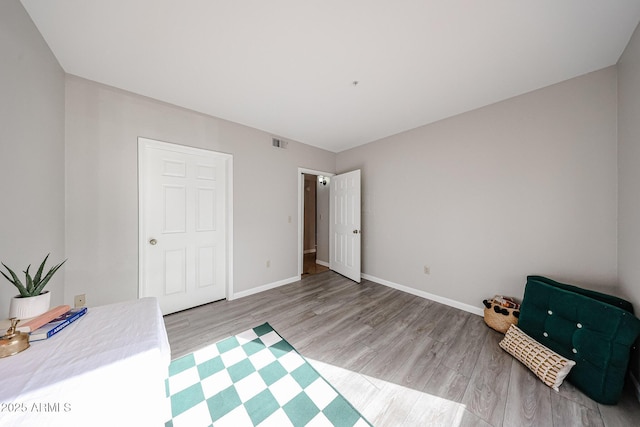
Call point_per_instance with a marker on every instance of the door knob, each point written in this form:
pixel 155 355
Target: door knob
pixel 356 231
pixel 153 242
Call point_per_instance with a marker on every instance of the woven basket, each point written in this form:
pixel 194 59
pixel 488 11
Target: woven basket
pixel 498 320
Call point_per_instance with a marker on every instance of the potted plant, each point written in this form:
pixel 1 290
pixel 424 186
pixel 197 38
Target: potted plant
pixel 32 300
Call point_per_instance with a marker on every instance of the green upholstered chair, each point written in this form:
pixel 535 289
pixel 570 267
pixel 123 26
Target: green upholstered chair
pixel 595 330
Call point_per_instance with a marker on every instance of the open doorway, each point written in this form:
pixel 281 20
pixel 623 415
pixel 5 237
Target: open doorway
pixel 313 222
pixel 315 250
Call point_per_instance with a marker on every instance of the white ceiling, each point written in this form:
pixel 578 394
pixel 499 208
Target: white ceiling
pixel 288 66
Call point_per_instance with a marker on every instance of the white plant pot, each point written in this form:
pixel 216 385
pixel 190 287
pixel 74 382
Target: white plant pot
pixel 24 308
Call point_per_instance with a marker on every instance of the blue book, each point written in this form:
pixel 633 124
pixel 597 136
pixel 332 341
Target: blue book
pixel 57 324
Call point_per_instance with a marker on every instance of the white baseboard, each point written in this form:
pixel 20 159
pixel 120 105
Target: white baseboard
pixel 309 251
pixel 323 263
pixel 266 287
pixel 636 385
pixel 442 300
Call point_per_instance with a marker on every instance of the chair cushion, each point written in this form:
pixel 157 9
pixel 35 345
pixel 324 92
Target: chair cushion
pixel 593 329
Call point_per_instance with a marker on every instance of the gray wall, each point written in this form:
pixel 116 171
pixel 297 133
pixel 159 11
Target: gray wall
pixel 31 151
pixel 629 174
pixel 102 127
pixel 525 186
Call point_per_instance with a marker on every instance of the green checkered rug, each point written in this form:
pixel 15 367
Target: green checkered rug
pixel 255 378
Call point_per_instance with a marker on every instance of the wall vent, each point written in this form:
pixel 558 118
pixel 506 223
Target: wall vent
pixel 279 143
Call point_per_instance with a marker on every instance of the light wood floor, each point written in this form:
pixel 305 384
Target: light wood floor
pixel 401 360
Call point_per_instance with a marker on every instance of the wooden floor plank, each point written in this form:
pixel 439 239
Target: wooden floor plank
pixel 463 351
pixel 569 391
pixel 486 394
pixel 430 410
pixel 568 413
pixel 420 365
pixel 447 383
pixel 450 324
pixel 528 400
pixel 391 406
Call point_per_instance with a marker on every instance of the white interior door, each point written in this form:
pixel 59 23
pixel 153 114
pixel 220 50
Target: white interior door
pixel 344 225
pixel 183 224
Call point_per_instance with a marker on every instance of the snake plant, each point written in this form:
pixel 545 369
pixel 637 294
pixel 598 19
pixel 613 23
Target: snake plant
pixel 33 286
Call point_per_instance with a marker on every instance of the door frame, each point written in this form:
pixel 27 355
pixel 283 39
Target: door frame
pixel 142 168
pixel 302 171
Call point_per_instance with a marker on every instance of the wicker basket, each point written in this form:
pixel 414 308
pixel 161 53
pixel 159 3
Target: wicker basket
pixel 498 317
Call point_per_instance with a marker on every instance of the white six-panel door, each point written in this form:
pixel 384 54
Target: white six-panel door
pixel 344 225
pixel 183 224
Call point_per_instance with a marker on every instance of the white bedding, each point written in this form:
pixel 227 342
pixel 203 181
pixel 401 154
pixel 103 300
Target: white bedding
pixel 106 369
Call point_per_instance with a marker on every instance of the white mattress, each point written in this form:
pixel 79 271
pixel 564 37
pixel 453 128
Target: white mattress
pixel 106 369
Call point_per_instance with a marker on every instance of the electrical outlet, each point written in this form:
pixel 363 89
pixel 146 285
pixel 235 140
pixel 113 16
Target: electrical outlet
pixel 427 270
pixel 268 263
pixel 290 219
pixel 79 300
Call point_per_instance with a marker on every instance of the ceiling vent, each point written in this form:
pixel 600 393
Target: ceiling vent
pixel 279 143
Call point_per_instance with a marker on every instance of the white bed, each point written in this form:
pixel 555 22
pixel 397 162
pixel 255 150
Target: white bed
pixel 106 369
